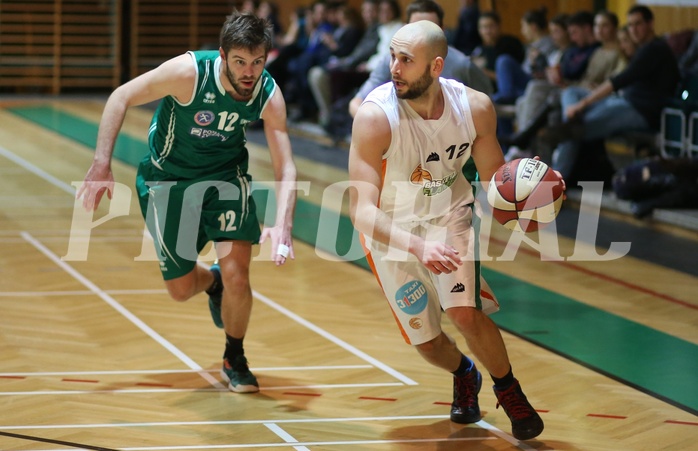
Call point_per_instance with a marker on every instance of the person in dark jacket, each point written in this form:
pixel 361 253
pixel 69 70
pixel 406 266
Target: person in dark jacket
pixel 643 88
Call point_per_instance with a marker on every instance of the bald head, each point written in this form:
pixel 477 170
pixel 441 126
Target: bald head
pixel 423 35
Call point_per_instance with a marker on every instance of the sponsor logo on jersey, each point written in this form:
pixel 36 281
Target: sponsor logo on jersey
pixel 433 157
pixel 412 297
pixel 209 97
pixel 458 288
pixel 204 118
pixel 205 133
pixel 431 187
pixel 416 323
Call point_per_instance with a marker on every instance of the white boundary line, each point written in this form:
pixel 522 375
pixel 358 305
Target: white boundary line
pixel 285 436
pixel 339 342
pixel 228 422
pixel 37 171
pixel 186 390
pixel 149 331
pixel 123 310
pixel 176 371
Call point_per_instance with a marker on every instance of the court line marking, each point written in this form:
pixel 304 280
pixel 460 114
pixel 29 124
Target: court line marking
pixel 179 354
pixel 137 321
pixel 177 371
pixel 339 342
pixel 304 444
pixel 231 422
pixel 285 436
pixel 78 293
pixel 187 390
pixel 122 310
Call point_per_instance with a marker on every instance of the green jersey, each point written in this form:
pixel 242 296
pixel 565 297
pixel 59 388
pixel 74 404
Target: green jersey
pixel 206 136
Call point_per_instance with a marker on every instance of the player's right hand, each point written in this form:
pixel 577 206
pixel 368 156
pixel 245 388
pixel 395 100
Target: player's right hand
pixel 98 180
pixel 440 258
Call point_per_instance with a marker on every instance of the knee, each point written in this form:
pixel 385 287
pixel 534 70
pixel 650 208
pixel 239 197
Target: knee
pixel 180 292
pixel 465 318
pixel 427 348
pixel 236 282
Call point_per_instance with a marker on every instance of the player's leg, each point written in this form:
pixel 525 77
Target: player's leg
pixel 194 282
pixel 466 298
pixel 161 205
pixel 236 311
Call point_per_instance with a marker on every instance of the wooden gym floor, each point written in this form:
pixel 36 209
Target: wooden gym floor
pixel 96 356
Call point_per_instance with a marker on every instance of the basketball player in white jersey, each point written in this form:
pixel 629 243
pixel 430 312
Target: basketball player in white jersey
pixel 415 144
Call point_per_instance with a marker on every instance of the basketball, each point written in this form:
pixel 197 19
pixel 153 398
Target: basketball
pixel 525 195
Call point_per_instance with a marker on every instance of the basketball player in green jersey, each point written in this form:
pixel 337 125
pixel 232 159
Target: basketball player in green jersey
pixel 193 185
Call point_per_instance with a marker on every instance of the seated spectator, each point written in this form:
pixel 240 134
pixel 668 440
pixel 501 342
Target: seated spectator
pixel 627 48
pixel 532 108
pixel 296 89
pixel 512 74
pixel 645 85
pixel 466 36
pixel 338 76
pixel 495 44
pixel 456 65
pixel 389 13
pixel 593 58
pixel 268 10
pixel 606 59
pixel 290 45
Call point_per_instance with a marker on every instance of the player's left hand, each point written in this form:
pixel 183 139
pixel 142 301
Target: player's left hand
pixel 281 243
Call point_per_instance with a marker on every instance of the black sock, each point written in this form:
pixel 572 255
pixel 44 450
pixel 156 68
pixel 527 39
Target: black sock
pixel 500 383
pixel 465 366
pixel 233 348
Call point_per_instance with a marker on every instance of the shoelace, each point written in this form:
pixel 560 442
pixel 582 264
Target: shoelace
pixel 465 391
pixel 514 403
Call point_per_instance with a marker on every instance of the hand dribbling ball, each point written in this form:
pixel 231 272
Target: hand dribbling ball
pixel 525 195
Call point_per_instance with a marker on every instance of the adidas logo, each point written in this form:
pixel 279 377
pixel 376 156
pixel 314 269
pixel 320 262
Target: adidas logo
pixel 209 97
pixel 458 288
pixel 433 157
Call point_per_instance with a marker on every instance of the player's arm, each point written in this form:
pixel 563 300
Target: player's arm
pixel 371 138
pixel 487 152
pixel 174 77
pixel 276 132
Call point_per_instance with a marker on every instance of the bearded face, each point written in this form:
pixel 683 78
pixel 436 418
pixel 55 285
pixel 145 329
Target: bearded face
pixel 409 90
pixel 243 69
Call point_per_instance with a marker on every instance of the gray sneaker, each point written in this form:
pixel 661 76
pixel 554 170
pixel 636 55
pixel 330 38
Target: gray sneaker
pixel 238 376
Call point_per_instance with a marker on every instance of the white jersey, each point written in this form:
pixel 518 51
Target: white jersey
pixel 422 169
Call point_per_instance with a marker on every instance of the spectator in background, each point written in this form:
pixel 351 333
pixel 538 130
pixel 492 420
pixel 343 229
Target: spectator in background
pixel 249 6
pixel 576 60
pixel 513 75
pixel 297 91
pixel 466 36
pixel 290 45
pixel 607 58
pixel 532 108
pixel 645 85
pixel 495 44
pixel 389 13
pixel 269 11
pixel 456 65
pixel 627 47
pixel 594 57
pixel 339 76
pixel 337 44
